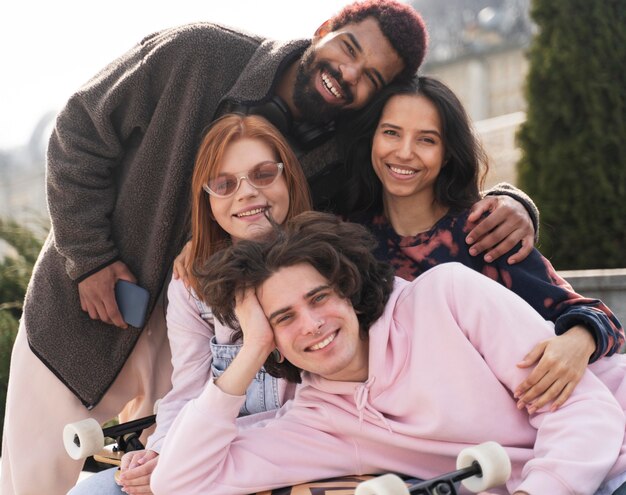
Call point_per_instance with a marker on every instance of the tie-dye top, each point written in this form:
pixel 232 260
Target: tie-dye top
pixel 534 279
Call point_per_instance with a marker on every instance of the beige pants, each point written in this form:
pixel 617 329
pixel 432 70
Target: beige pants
pixel 34 461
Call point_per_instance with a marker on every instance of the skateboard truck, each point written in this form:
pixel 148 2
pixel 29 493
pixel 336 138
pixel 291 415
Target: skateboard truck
pixel 86 438
pixel 478 468
pixel 126 435
pixel 444 485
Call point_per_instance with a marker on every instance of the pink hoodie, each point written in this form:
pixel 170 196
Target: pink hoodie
pixel 441 372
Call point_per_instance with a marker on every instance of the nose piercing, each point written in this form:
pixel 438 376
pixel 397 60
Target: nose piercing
pixel 319 324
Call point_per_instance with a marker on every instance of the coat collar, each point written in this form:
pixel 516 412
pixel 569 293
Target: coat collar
pixel 260 76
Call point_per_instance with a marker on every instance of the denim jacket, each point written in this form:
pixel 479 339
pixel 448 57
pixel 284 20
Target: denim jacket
pixel 264 393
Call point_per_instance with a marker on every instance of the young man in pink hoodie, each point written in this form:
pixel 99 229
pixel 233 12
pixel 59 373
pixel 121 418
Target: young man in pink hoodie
pixel 395 376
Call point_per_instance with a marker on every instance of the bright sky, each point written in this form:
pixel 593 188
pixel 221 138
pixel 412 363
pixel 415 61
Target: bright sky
pixel 48 48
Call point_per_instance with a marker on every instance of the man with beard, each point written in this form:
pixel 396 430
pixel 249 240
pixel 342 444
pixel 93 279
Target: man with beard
pixel 119 168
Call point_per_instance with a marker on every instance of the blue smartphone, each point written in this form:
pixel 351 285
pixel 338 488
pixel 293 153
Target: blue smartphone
pixel 132 301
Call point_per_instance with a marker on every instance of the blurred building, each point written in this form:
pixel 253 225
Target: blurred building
pixel 478 48
pixel 22 171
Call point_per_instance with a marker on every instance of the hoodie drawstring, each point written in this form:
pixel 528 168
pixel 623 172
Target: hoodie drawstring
pixel 361 398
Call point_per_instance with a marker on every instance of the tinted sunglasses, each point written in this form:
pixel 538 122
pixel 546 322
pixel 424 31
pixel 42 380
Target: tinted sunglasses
pixel 260 176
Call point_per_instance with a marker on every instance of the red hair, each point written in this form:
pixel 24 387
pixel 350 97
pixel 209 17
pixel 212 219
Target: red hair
pixel 207 237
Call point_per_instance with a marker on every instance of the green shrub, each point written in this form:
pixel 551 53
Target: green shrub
pixel 574 140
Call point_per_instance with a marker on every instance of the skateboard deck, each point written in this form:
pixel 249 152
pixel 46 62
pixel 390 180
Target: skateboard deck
pixel 109 456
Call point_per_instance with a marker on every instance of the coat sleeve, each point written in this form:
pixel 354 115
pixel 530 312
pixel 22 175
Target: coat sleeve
pixel 190 341
pixel 85 150
pixel 209 451
pixel 577 444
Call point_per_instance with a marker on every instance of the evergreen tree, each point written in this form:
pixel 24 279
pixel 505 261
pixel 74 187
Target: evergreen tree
pixel 574 140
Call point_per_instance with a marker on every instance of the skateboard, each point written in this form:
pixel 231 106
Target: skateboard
pixel 479 468
pixel 86 438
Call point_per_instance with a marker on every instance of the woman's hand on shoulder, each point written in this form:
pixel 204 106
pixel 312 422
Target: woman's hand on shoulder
pixel 561 362
pixel 182 264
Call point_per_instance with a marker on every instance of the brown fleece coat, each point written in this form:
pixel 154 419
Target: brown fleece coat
pixel 119 169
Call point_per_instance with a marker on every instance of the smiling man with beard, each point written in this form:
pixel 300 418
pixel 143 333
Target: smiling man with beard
pixel 119 166
pixel 343 70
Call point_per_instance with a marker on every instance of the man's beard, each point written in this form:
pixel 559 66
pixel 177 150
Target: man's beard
pixel 313 108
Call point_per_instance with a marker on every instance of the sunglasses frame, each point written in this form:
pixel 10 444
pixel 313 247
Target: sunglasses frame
pixel 241 176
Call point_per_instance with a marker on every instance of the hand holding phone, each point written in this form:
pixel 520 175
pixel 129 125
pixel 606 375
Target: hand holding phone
pixel 132 302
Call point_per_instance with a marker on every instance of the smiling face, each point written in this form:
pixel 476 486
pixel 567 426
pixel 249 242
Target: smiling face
pixel 343 69
pixel 242 215
pixel 314 328
pixel 407 148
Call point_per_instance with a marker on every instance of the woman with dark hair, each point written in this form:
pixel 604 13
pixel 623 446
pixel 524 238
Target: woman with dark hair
pixel 458 186
pixel 245 178
pixel 425 169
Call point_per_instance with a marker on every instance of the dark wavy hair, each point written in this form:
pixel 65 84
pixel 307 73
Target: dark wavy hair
pixel 460 181
pixel 400 23
pixel 340 251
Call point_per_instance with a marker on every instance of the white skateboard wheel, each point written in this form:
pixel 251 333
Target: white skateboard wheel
pixel 494 463
pixel 83 438
pixel 388 484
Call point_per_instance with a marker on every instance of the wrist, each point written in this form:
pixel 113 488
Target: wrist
pixel 256 352
pixel 239 375
pixel 585 336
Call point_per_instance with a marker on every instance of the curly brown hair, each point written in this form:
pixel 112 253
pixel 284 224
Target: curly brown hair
pixel 340 251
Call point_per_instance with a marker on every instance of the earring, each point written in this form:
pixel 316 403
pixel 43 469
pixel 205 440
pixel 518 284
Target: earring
pixel 278 357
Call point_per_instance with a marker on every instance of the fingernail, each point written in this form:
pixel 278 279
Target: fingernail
pixel 512 262
pixel 520 405
pixel 472 251
pixel 488 258
pixel 469 240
